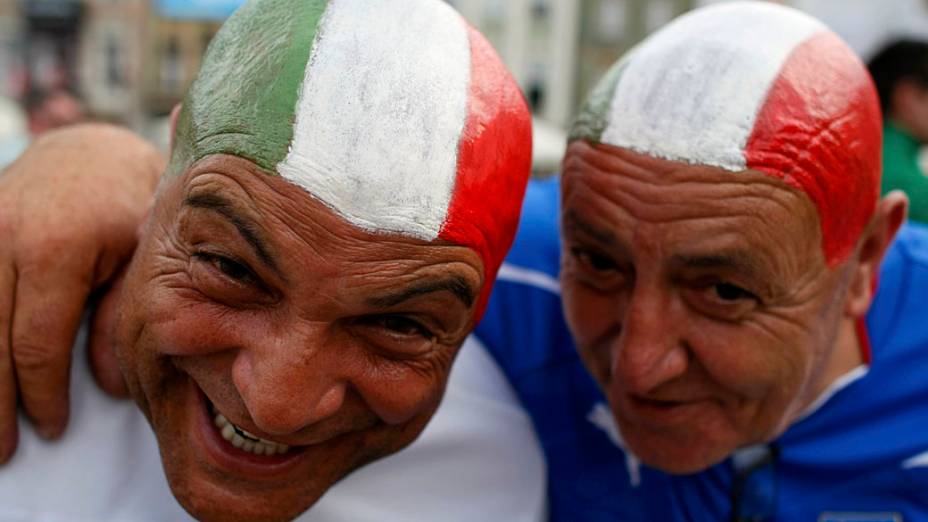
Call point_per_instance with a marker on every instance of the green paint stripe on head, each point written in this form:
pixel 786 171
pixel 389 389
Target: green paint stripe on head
pixel 593 117
pixel 244 99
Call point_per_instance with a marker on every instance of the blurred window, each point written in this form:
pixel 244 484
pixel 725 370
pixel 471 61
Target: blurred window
pixel 115 62
pixel 495 11
pixel 611 20
pixel 171 67
pixel 658 13
pixel 540 8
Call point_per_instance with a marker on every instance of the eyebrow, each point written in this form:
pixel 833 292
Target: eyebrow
pixel 245 227
pixel 734 261
pixel 458 287
pixel 573 222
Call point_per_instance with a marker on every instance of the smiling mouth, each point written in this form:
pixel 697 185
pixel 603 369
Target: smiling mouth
pixel 243 439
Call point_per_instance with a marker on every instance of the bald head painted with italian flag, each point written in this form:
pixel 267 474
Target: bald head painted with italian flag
pixel 722 229
pixel 397 115
pixel 751 85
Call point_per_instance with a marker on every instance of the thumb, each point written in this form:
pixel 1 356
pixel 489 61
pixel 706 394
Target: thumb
pixel 101 343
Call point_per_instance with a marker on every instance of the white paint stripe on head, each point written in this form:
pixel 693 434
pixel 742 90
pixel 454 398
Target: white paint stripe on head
pixel 381 112
pixel 693 90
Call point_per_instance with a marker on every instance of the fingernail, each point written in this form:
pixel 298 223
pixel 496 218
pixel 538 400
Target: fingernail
pixel 49 432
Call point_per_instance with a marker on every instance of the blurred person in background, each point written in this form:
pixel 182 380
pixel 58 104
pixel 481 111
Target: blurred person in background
pixel 53 108
pixel 14 135
pixel 900 71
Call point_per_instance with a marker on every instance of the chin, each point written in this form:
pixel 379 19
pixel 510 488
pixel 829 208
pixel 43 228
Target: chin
pixel 681 463
pixel 677 454
pixel 225 506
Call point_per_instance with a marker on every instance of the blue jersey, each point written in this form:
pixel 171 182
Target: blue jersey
pixel 862 455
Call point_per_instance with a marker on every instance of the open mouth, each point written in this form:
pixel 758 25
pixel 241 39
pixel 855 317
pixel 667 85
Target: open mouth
pixel 237 450
pixel 244 440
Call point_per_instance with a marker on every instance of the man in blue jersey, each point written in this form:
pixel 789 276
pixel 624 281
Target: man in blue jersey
pixel 721 240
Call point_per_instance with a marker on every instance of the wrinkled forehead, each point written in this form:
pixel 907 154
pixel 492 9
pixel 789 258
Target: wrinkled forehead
pixel 395 114
pixel 374 94
pixel 751 85
pixel 695 90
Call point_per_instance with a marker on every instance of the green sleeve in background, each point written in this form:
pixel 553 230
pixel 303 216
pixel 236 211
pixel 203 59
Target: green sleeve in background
pixel 902 171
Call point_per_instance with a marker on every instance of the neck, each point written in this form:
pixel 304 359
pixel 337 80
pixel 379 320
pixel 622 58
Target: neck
pixel 847 355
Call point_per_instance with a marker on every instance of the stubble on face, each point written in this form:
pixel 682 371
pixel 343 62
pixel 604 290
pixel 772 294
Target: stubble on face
pixel 699 299
pixel 250 298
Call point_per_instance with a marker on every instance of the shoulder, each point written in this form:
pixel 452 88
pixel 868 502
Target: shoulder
pixel 479 435
pixel 899 306
pixel 866 448
pixel 523 325
pixel 537 246
pixel 105 467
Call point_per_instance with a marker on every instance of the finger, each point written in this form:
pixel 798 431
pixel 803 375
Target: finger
pixel 103 362
pixel 8 432
pixel 48 308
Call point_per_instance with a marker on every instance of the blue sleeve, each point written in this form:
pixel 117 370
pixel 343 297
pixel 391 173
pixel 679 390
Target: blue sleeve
pixel 523 326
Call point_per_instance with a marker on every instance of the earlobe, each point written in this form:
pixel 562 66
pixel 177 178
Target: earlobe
pixel 889 216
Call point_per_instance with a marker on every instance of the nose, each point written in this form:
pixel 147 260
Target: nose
pixel 649 351
pixel 292 382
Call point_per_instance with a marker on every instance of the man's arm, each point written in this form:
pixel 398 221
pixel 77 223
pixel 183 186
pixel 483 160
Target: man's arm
pixel 69 209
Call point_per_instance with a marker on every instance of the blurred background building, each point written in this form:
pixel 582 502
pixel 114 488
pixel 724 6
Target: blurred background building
pixel 130 61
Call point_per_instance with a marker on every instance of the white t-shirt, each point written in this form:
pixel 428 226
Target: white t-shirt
pixel 478 459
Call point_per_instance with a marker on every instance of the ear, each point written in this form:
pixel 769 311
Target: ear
pixel 890 213
pixel 175 115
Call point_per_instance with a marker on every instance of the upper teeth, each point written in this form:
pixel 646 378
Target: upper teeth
pixel 244 440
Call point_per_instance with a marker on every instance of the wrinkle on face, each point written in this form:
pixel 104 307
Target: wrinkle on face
pixel 668 233
pixel 298 344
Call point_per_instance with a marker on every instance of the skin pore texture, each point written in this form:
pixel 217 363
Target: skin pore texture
pixel 326 339
pixel 751 85
pixel 721 231
pixel 710 324
pixel 311 266
pixel 410 132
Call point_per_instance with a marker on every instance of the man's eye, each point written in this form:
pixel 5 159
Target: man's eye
pixel 731 293
pixel 401 325
pixel 593 260
pixel 231 269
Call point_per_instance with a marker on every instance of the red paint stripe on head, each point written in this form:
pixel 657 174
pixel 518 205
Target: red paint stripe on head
pixel 494 163
pixel 820 131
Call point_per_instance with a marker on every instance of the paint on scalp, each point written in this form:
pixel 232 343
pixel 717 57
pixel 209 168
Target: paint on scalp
pixel 691 92
pixel 381 112
pixel 494 163
pixel 752 85
pixel 242 101
pixel 593 117
pixel 819 130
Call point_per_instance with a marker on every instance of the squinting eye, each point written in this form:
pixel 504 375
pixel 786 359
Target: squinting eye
pixel 402 325
pixel 730 292
pixel 231 269
pixel 597 262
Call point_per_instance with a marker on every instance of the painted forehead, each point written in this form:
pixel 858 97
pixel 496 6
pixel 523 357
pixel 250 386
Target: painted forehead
pixel 751 85
pixel 394 113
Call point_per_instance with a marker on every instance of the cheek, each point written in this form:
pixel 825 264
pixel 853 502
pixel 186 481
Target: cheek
pixel 762 372
pixel 589 315
pixel 594 324
pixel 402 391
